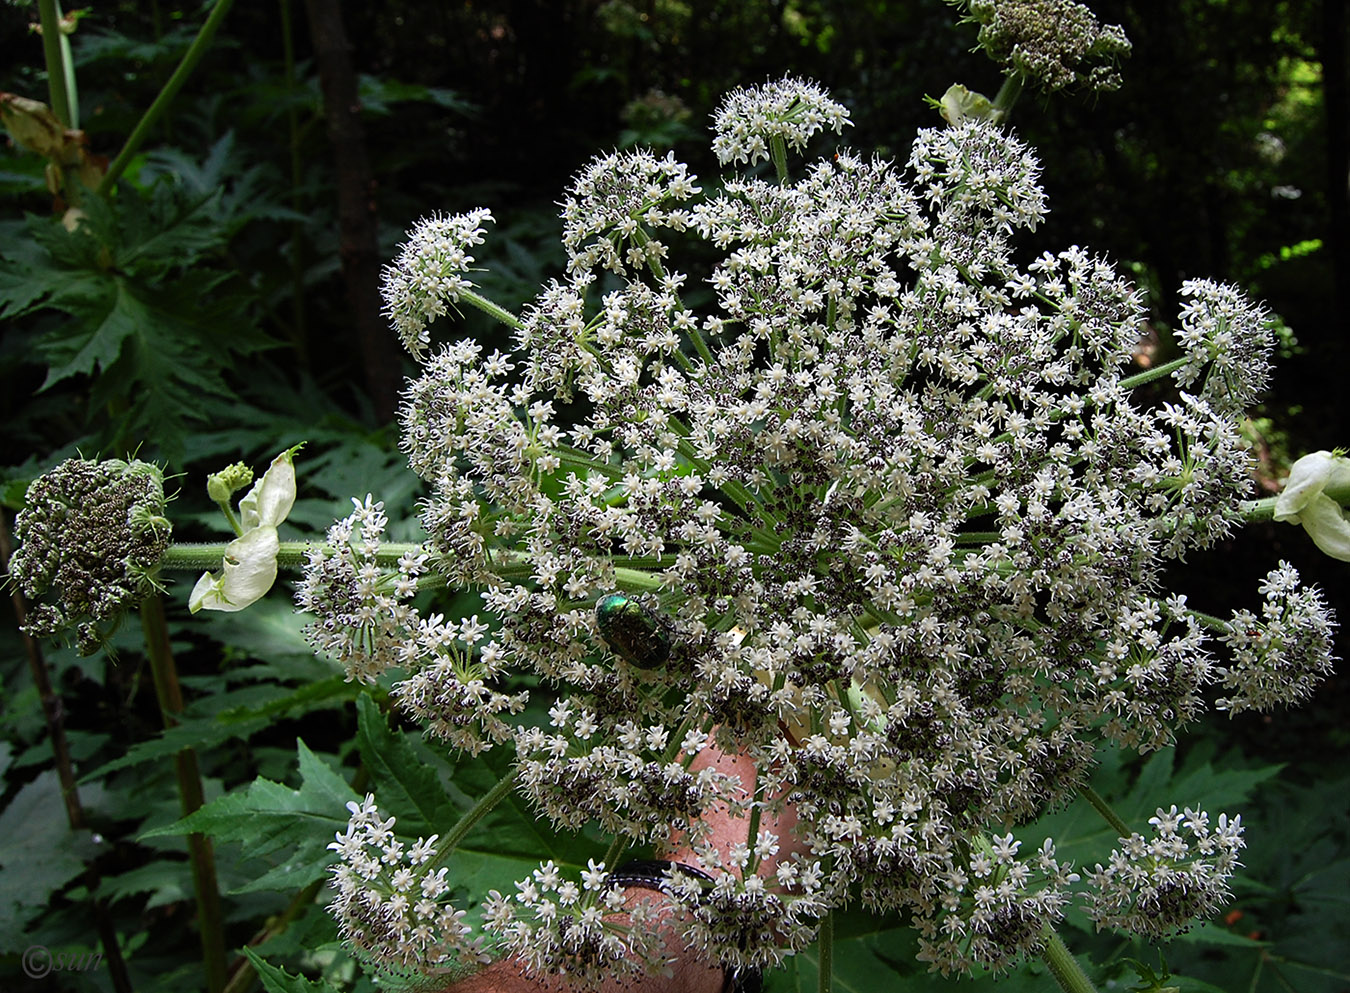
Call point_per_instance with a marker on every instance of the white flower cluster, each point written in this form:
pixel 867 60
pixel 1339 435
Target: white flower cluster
pixel 392 901
pixel 362 617
pixel 558 926
pixel 994 908
pixel 428 275
pixel 892 516
pixel 1227 340
pixel 1279 657
pixel 618 200
pixel 1158 886
pixel 750 119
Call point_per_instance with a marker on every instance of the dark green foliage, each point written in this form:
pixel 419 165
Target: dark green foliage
pixel 150 327
pixel 197 317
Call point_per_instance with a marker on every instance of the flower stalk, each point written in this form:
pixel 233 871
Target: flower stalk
pixel 1063 966
pixel 156 110
pixel 210 920
pixel 56 55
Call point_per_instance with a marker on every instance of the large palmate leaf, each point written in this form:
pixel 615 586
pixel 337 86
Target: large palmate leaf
pixel 289 827
pixel 39 854
pixel 146 313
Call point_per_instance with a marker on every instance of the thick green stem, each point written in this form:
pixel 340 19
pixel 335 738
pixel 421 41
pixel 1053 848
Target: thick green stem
pixel 151 117
pixel 1007 96
pixel 825 976
pixel 49 14
pixel 1258 510
pixel 1065 968
pixel 72 91
pixel 1104 808
pixel 210 922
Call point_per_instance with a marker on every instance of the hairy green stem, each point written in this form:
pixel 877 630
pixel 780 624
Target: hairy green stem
pixel 1216 624
pixel 1149 375
pixel 449 841
pixel 1258 510
pixel 497 313
pixel 1104 808
pixel 1065 968
pixel 151 117
pixel 210 921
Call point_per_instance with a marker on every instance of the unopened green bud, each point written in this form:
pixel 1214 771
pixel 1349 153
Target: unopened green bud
pixel 220 486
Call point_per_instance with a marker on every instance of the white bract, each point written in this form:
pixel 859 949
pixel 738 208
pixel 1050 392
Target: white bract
pixel 1314 496
pixel 250 563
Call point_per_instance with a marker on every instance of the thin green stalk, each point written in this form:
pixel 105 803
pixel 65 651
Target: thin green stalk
pixel 615 851
pixel 494 311
pixel 1149 375
pixel 210 921
pixel 641 237
pixel 778 149
pixel 1104 808
pixel 49 15
pixel 230 517
pixel 449 841
pixel 244 976
pixel 242 972
pixel 825 977
pixel 1065 968
pixel 151 117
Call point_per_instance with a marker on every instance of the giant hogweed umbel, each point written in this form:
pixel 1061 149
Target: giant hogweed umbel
pixel 892 505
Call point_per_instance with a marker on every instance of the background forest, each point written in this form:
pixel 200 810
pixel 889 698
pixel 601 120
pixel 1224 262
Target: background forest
pixel 230 310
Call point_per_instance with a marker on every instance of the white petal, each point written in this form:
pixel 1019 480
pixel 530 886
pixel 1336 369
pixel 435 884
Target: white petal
pixel 1308 477
pixel 250 569
pixel 1326 525
pixel 271 498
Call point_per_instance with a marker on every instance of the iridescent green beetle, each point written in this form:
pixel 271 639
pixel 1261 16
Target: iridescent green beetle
pixel 632 631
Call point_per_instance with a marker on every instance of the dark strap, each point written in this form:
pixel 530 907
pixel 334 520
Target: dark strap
pixel 650 874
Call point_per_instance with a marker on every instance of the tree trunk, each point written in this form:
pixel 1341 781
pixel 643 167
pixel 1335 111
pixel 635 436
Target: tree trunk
pixel 356 203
